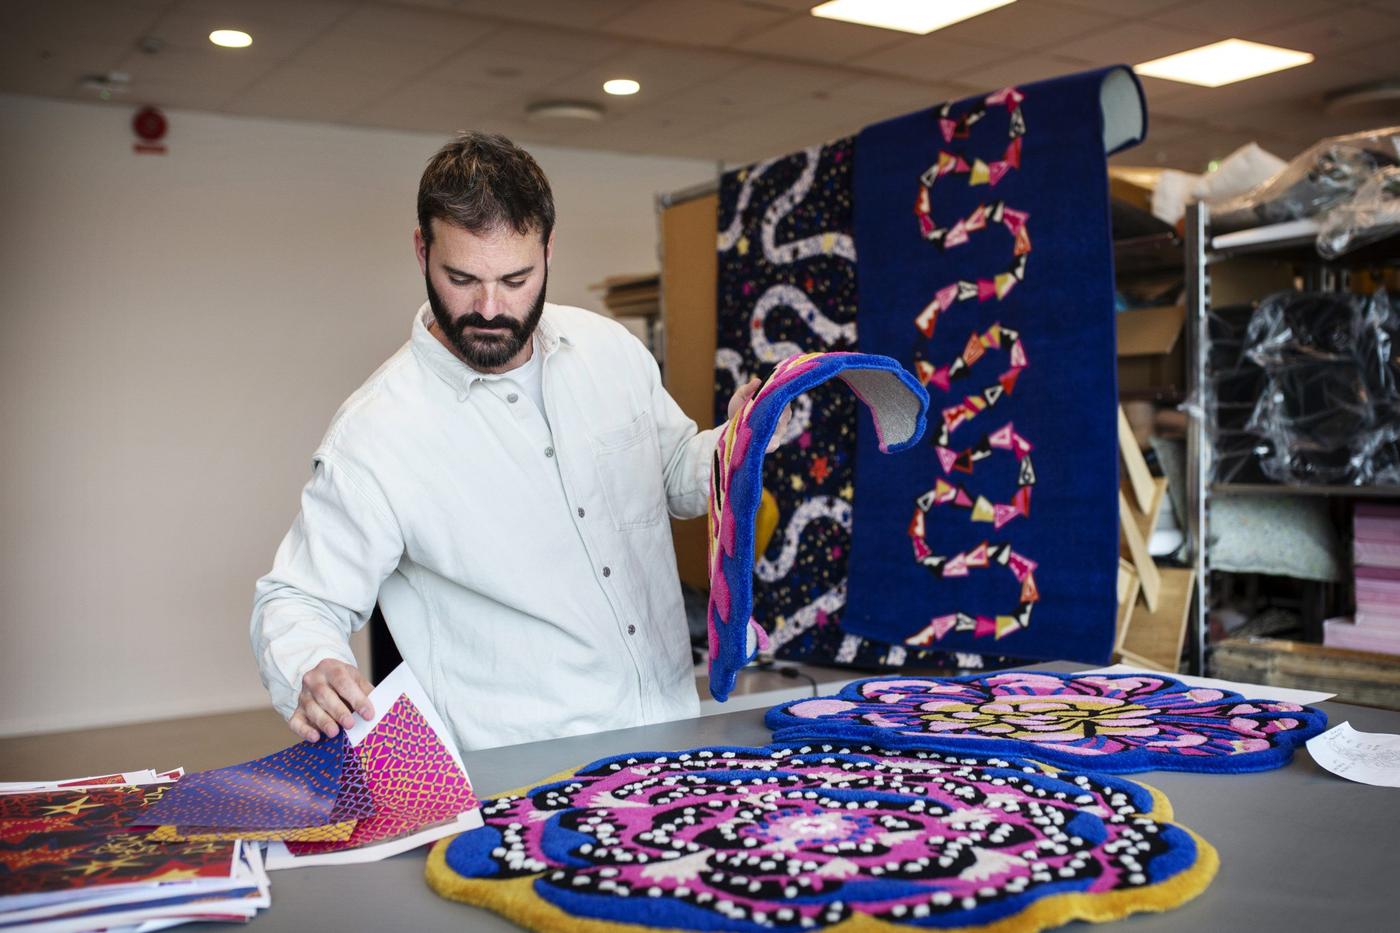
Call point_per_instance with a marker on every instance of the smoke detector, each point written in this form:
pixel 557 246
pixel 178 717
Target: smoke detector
pixel 107 84
pixel 584 110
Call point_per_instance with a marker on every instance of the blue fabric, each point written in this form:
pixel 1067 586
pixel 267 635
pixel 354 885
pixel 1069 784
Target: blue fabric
pixel 731 598
pixel 1046 157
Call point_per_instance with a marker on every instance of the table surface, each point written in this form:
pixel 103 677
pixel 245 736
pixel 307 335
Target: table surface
pixel 1300 848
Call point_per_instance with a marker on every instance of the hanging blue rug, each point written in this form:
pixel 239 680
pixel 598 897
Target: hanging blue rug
pixel 987 269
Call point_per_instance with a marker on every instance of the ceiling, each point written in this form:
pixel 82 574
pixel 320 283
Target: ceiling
pixel 731 80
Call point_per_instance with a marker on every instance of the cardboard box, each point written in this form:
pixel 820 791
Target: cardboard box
pixel 1151 353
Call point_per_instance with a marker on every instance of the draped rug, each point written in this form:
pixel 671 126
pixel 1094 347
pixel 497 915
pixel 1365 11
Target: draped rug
pixel 987 269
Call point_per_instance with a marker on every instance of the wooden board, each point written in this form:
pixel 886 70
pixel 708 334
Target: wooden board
pixel 1128 586
pixel 1139 476
pixel 1355 676
pixel 1147 521
pixel 1157 635
pixel 689 270
pixel 1136 546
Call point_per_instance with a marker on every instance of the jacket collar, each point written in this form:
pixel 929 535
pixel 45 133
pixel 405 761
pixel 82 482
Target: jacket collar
pixel 549 336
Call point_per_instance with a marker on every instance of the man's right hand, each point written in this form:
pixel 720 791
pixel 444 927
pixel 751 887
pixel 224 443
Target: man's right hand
pixel 329 692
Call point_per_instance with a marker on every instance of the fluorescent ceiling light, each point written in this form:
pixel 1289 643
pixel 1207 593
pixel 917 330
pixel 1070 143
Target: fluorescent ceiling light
pixel 920 17
pixel 621 87
pixel 231 38
pixel 1223 62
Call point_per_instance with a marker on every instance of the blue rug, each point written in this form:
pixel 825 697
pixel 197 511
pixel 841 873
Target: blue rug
pixel 987 269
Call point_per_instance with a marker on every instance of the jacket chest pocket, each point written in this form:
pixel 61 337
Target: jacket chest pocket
pixel 629 472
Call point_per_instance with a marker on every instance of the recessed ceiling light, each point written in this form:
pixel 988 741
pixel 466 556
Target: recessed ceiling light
pixel 904 15
pixel 1223 62
pixel 231 38
pixel 621 87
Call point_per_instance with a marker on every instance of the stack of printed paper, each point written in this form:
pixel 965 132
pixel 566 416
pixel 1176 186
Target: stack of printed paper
pixel 309 792
pixel 1376 553
pixel 382 787
pixel 70 862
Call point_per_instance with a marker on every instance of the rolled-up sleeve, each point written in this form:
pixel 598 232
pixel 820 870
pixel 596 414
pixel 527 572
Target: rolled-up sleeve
pixel 324 580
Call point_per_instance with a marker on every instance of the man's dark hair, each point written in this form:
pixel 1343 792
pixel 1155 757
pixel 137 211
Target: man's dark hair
pixel 483 182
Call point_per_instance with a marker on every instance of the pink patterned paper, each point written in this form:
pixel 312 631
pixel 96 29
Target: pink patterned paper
pixel 412 778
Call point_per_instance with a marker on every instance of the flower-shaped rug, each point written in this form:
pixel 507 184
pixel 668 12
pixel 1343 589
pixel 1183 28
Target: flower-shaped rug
pixel 1107 722
pixel 816 836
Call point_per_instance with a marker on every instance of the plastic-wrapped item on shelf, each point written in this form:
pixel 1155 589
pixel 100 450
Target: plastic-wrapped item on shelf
pixel 1371 214
pixel 1235 384
pixel 1325 174
pixel 1328 409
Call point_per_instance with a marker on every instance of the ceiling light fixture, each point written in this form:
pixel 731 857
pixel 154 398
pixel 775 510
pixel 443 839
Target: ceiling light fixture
pixel 1223 62
pixel 621 87
pixel 231 38
pixel 564 110
pixel 904 16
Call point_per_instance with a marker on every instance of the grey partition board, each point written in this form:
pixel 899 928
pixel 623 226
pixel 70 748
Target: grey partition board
pixel 1300 849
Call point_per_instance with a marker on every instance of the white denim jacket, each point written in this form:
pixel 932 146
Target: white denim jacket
pixel 524 566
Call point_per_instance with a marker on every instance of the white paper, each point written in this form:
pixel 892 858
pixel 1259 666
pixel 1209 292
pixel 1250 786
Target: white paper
pixel 279 856
pixel 1364 757
pixel 1248 691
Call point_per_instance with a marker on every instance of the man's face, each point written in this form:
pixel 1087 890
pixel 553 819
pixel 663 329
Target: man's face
pixel 486 290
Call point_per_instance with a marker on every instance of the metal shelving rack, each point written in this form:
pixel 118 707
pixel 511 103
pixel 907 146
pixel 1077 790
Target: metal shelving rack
pixel 1292 244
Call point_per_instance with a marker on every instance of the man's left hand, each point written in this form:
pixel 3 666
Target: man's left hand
pixel 741 397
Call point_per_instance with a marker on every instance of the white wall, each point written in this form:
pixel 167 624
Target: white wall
pixel 175 333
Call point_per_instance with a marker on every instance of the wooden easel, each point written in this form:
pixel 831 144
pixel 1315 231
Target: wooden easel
pixel 1153 603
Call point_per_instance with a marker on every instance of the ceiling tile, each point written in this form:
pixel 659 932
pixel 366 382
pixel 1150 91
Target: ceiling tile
pixel 1241 18
pixel 823 40
pixel 410 26
pixel 661 72
pixel 85 21
pixel 343 53
pixel 214 75
pixel 311 93
pixel 273 41
pixel 693 22
pixel 1021 69
pixel 1127 9
pixel 931 59
pixel 313 14
pixel 1336 32
pixel 571 13
pixel 425 106
pixel 1028 25
pixel 32 65
pixel 1132 43
pixel 484 67
pixel 534 45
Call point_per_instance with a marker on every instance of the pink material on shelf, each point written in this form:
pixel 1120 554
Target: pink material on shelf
pixel 1343 633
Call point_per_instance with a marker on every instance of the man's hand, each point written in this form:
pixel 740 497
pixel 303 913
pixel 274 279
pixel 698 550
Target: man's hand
pixel 329 692
pixel 741 397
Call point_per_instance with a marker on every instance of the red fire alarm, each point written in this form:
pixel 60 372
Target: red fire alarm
pixel 149 125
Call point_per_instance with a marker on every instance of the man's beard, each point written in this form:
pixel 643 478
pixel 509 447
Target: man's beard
pixel 480 352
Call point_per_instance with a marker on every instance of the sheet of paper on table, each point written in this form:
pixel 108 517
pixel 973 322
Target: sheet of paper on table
pixel 1364 757
pixel 1248 691
pixel 400 684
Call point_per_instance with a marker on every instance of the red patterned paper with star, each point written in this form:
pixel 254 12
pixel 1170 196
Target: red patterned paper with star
pixel 61 840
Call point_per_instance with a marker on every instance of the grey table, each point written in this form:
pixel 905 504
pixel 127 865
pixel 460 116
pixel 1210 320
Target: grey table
pixel 1300 849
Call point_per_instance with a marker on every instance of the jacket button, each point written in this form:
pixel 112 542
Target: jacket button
pixel 631 630
pixel 549 451
pixel 607 571
pixel 580 512
pixel 512 398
